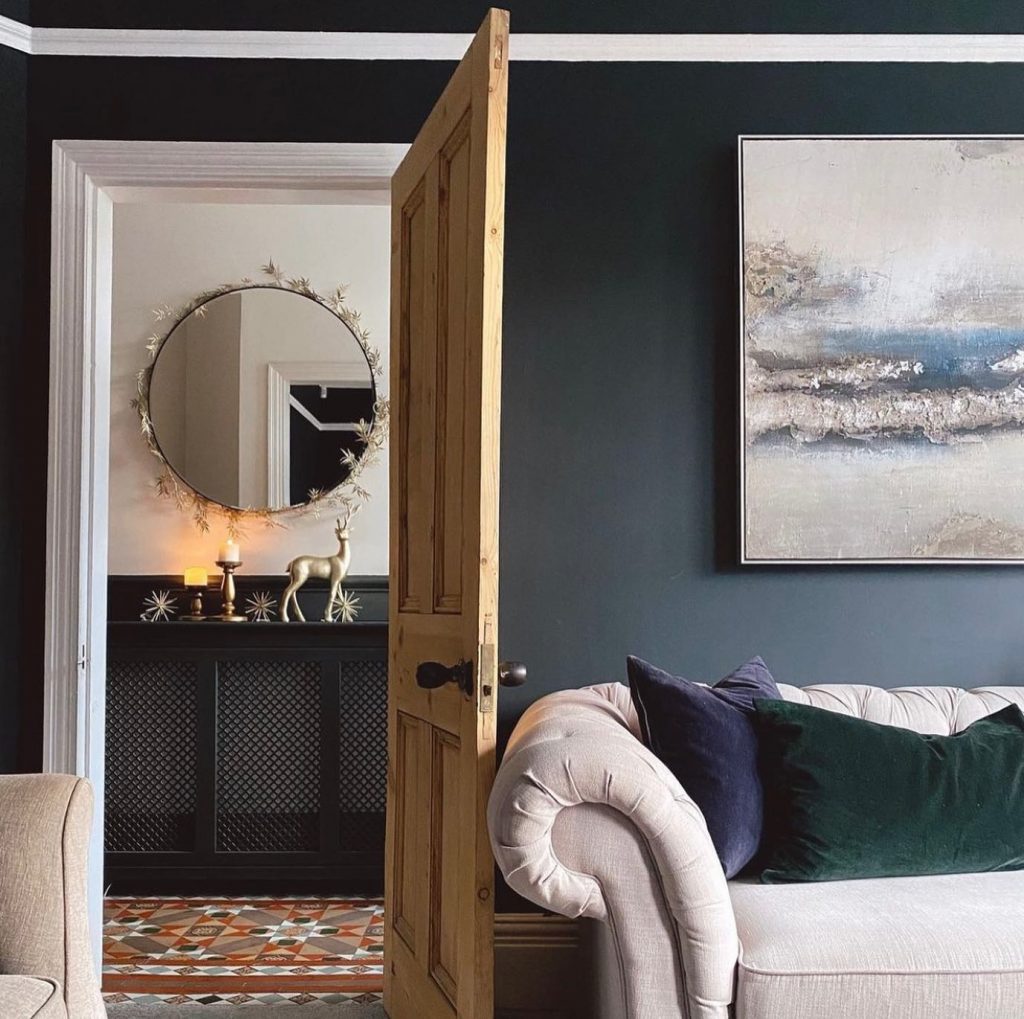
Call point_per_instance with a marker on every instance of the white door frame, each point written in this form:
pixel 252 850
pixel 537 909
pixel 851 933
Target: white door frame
pixel 89 177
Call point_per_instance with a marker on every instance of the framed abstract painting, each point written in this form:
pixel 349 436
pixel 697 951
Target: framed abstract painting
pixel 882 349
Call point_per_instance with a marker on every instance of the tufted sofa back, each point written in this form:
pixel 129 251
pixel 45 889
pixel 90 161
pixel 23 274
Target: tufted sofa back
pixel 932 709
pixel 929 709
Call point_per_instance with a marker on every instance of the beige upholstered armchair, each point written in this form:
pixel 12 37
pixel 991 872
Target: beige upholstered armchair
pixel 46 964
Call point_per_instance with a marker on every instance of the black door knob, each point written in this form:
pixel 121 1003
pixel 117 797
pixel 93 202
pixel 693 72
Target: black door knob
pixel 431 675
pixel 511 673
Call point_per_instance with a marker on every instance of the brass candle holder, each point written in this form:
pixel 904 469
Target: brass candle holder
pixel 196 579
pixel 227 592
pixel 195 612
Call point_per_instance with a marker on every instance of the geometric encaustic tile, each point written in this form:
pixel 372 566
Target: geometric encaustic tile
pixel 243 950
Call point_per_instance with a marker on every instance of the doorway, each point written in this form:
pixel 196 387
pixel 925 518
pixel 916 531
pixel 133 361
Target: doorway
pixel 104 191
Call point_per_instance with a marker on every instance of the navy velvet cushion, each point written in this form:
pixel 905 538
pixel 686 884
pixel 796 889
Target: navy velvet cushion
pixel 706 738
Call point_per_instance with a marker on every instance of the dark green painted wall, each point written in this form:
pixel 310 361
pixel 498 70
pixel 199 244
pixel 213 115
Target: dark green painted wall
pixel 542 15
pixel 619 453
pixel 19 10
pixel 619 449
pixel 13 68
pixel 619 477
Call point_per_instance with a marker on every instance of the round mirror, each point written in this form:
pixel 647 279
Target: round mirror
pixel 256 399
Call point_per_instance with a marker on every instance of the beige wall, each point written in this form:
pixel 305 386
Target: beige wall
pixel 167 253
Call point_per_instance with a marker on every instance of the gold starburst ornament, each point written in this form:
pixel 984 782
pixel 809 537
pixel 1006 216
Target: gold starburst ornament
pixel 345 608
pixel 260 607
pixel 158 606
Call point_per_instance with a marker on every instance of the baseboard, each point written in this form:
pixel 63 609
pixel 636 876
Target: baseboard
pixel 540 968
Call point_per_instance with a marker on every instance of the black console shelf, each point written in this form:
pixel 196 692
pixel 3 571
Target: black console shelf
pixel 245 757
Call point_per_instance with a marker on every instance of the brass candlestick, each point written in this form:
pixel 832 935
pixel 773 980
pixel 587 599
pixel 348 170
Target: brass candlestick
pixel 195 612
pixel 227 591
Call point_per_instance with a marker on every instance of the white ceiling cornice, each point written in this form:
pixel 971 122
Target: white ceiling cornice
pixel 15 35
pixel 449 46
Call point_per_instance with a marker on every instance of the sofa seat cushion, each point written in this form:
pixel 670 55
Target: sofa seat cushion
pixel 943 947
pixel 30 998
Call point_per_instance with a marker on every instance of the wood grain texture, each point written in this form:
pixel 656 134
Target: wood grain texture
pixel 453 210
pixel 403 893
pixel 445 824
pixel 447 243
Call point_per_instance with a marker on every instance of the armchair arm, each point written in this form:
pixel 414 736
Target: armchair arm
pixel 585 821
pixel 44 929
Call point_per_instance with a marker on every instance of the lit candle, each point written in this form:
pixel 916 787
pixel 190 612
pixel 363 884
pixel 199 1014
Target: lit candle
pixel 195 576
pixel 229 552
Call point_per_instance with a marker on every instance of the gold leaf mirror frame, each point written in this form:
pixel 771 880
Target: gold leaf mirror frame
pixel 349 493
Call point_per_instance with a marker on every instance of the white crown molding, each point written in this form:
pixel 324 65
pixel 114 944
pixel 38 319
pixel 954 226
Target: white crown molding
pixel 771 49
pixel 14 35
pixel 449 46
pixel 118 167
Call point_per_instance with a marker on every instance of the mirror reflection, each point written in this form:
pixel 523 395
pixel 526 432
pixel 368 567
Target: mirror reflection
pixel 255 396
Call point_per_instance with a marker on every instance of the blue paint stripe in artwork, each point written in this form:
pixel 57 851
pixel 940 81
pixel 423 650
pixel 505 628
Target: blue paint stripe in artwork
pixel 951 357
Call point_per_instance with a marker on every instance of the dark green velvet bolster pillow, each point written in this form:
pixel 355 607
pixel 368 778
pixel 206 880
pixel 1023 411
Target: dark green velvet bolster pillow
pixel 846 798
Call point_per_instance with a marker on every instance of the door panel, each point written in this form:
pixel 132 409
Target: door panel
pixel 415 354
pixel 444 854
pixel 402 904
pixel 452 284
pixel 447 241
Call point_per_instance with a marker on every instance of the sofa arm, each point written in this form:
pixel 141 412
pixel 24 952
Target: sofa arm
pixel 44 843
pixel 579 806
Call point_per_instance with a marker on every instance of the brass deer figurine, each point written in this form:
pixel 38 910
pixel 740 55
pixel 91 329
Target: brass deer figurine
pixel 333 568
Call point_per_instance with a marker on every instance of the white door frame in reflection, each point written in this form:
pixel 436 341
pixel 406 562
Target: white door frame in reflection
pixel 281 376
pixel 89 178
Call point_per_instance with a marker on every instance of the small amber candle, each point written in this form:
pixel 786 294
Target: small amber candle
pixel 196 576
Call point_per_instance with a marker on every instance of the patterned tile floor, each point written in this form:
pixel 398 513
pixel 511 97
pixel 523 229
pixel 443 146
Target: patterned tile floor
pixel 243 950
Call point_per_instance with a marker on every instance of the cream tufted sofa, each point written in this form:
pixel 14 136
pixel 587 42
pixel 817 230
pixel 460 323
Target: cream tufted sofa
pixel 586 822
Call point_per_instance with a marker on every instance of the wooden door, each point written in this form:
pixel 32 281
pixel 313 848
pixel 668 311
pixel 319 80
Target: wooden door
pixel 447 233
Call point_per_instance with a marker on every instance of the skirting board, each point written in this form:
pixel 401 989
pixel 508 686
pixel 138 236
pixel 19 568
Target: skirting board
pixel 541 968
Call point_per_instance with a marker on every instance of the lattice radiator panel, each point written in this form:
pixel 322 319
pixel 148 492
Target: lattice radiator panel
pixel 363 753
pixel 228 761
pixel 150 756
pixel 268 756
